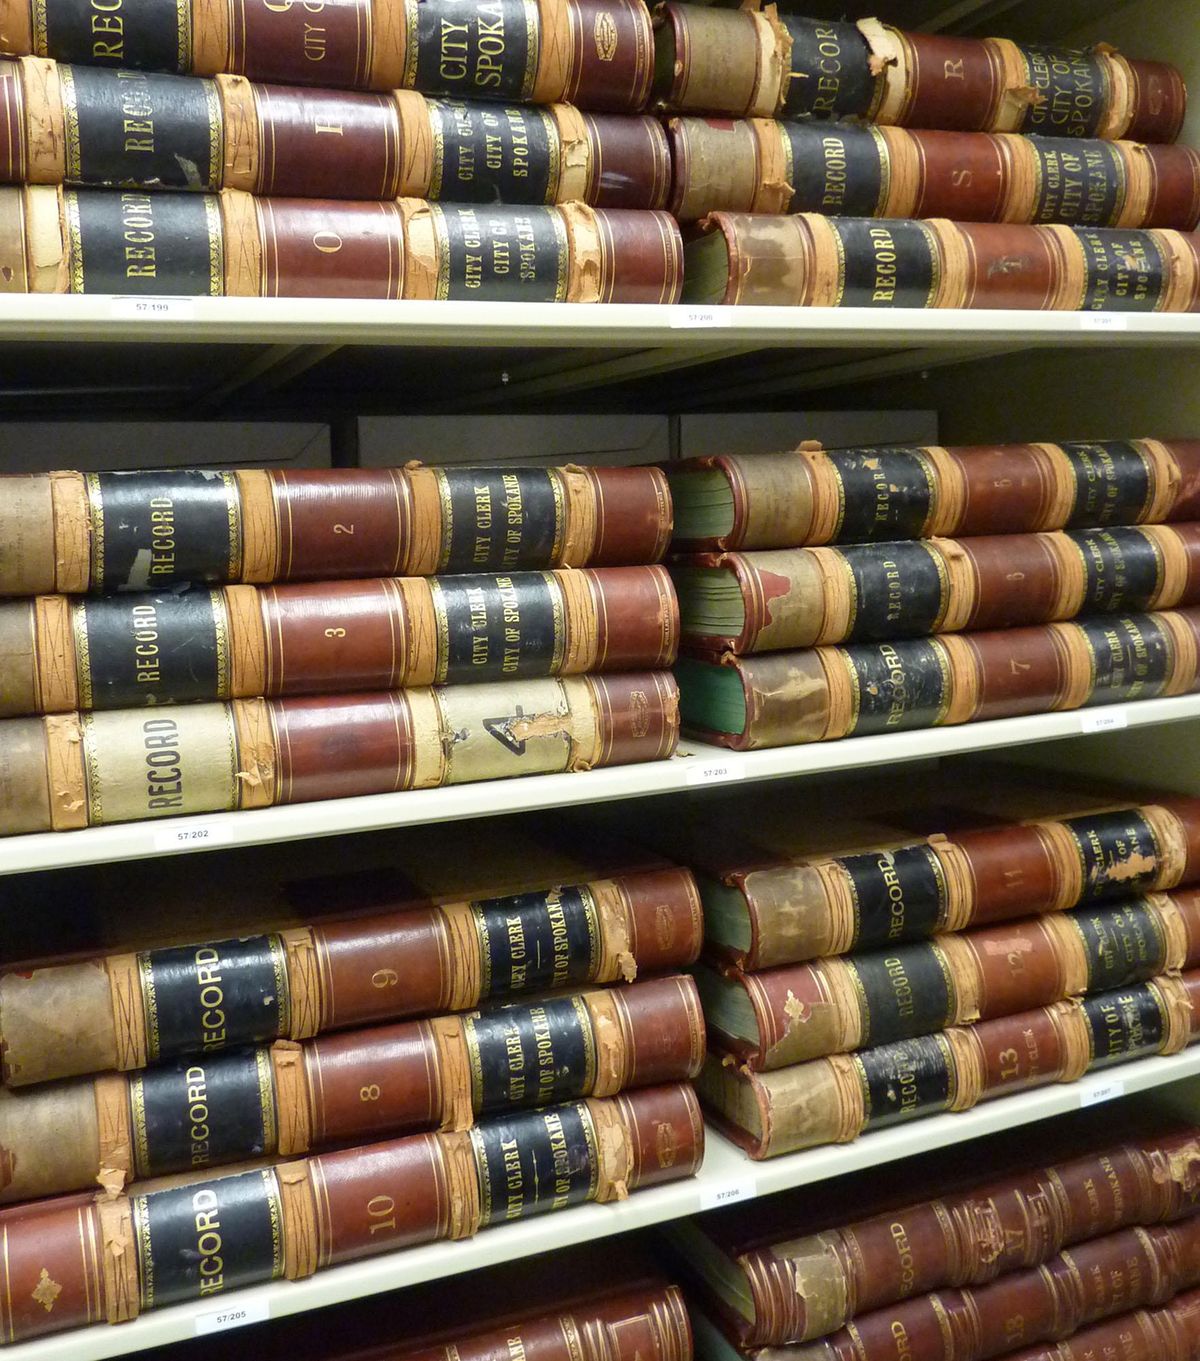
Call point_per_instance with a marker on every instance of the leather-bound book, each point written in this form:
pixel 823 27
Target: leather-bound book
pixel 823 693
pixel 764 165
pixel 112 1257
pixel 59 653
pixel 804 597
pixel 835 1099
pixel 814 69
pixel 354 970
pixel 74 532
pixel 68 125
pixel 797 1277
pixel 124 765
pixel 810 260
pixel 287 1099
pixel 804 1011
pixel 593 53
pixel 237 245
pixel 1169 1333
pixel 815 496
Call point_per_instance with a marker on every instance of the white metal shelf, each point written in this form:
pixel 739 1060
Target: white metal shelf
pixel 727 1175
pixel 696 765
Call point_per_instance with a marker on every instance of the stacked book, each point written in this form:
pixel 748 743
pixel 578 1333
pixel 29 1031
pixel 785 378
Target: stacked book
pixel 450 150
pixel 865 971
pixel 862 165
pixel 415 646
pixel 1060 1255
pixel 183 1119
pixel 828 594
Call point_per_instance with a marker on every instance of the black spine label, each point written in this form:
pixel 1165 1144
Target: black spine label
pixel 897 686
pixel 501 254
pixel 1124 1024
pixel 492 153
pixel 152 35
pixel 151 649
pixel 1118 853
pixel 898 895
pixel 127 128
pixel 196 1241
pixel 1126 271
pixel 883 494
pixel 1074 92
pixel 885 264
pixel 1132 657
pixel 203 1112
pixel 204 997
pixel 1081 185
pixel 500 518
pixel 1112 483
pixel 840 170
pixel 139 242
pixel 1124 944
pixel 536 941
pixel 830 71
pixel 531 1055
pixel 537 1161
pixel 476 49
pixel 498 627
pixel 902 993
pixel 159 529
pixel 897 589
pixel 1124 568
pixel 911 1077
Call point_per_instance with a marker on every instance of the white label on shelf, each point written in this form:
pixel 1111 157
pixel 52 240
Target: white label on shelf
pixel 713 1197
pixel 157 309
pixel 239 1317
pixel 717 772
pixel 1104 720
pixel 1101 1091
pixel 706 316
pixel 1103 321
pixel 180 838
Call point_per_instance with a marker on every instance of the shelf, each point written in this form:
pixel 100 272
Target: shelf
pixel 697 765
pixel 727 1175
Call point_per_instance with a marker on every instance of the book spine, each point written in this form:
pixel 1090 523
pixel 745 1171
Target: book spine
pixel 1171 1333
pixel 121 766
pixel 713 61
pixel 288 1099
pixel 835 1099
pixel 1135 1267
pixel 170 1243
pixel 825 693
pixel 142 530
pixel 845 1003
pixel 240 642
pixel 809 1287
pixel 626 1327
pixel 192 999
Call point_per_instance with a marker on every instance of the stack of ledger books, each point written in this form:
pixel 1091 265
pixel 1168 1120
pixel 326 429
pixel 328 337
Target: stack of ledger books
pixel 360 1071
pixel 861 165
pixel 862 972
pixel 1079 1250
pixel 413 644
pixel 844 592
pixel 447 150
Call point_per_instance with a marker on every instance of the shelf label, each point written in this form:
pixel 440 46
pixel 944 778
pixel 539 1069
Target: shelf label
pixel 180 838
pixel 744 1188
pixel 218 1322
pixel 701 316
pixel 1103 321
pixel 717 772
pixel 1101 1091
pixel 156 309
pixel 1104 720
